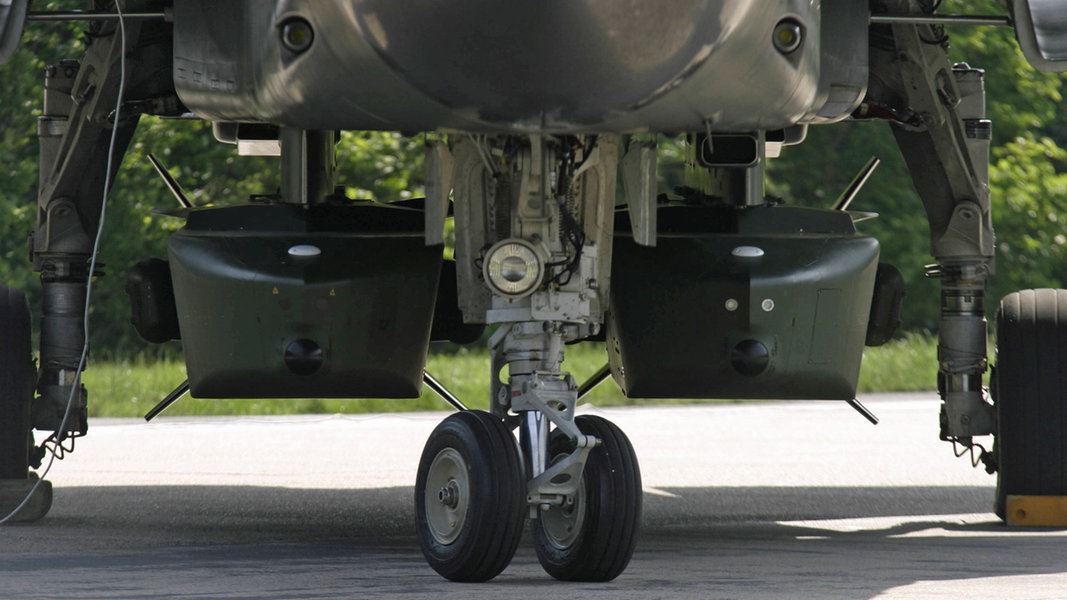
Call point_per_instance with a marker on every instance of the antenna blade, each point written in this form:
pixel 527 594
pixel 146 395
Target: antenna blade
pixel 172 184
pixel 858 181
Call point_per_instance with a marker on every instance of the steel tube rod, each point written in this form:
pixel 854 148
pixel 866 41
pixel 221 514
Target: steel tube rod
pixel 77 15
pixel 171 398
pixel 596 379
pixel 438 388
pixel 941 20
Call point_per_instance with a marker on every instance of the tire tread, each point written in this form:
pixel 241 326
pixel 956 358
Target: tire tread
pixel 16 384
pixel 1031 394
pixel 612 525
pixel 497 495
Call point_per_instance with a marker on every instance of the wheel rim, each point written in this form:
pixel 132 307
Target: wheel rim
pixel 447 496
pixel 563 524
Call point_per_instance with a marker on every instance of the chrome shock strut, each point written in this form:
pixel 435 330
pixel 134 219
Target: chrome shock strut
pixel 546 269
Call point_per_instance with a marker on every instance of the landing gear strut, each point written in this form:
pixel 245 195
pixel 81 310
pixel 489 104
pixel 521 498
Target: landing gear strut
pixel 534 224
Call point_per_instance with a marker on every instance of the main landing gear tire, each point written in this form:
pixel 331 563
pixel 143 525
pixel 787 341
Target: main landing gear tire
pixel 19 489
pixel 17 373
pixel 1030 394
pixel 591 537
pixel 470 497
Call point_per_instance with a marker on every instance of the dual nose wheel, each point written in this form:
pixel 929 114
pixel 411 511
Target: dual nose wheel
pixel 470 502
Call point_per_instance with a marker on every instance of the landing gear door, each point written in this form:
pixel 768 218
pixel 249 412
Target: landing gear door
pixel 1041 26
pixel 12 19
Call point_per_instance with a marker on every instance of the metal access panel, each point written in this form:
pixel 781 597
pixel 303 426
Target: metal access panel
pixel 280 301
pixel 764 302
pixel 511 67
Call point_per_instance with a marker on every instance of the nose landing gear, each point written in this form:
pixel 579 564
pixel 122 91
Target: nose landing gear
pixel 538 216
pixel 470 504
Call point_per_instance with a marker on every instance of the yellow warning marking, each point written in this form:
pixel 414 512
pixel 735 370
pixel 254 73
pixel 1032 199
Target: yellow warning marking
pixel 1036 511
pixel 333 292
pixel 274 291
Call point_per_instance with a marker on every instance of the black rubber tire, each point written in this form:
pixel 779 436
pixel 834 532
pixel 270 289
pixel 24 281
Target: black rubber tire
pixel 1030 395
pixel 17 373
pixel 606 514
pixel 491 505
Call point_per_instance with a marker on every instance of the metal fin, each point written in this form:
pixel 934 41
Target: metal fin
pixel 857 184
pixel 861 409
pixel 171 183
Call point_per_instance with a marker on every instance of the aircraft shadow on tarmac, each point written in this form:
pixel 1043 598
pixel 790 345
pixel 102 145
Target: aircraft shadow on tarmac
pixel 694 539
pixel 259 512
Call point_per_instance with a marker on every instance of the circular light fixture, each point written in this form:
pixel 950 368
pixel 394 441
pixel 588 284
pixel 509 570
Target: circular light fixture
pixel 513 268
pixel 304 251
pixel 788 34
pixel 750 252
pixel 750 357
pixel 304 357
pixel 297 34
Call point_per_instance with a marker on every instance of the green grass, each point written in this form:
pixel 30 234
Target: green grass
pixel 906 364
pixel 131 389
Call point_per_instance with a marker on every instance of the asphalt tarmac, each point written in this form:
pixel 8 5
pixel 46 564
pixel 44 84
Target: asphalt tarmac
pixel 770 500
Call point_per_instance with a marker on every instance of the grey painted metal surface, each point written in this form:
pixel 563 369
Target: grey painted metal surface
pixel 1041 26
pixel 478 65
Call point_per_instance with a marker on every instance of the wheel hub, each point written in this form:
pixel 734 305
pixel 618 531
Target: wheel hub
pixel 447 496
pixel 563 523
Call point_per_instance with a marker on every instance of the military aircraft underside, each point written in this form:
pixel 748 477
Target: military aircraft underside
pixel 541 122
